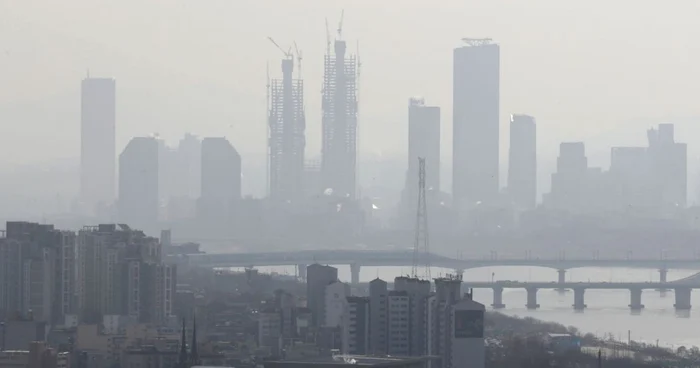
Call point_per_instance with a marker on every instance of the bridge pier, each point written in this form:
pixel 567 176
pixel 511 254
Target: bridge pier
pixel 561 280
pixel 579 303
pixel 682 298
pixel 663 274
pixel 301 271
pixel 636 299
pixel 532 298
pixel 354 273
pixel 498 298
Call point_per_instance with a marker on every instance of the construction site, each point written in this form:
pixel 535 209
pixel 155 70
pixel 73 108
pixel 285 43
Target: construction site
pixel 339 124
pixel 286 126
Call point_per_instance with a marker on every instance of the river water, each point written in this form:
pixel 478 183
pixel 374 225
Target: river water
pixel 607 312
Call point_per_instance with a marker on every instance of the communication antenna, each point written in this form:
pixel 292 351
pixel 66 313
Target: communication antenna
pixel 421 243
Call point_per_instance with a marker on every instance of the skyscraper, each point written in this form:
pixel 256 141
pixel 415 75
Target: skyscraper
pixel 221 177
pixel 522 162
pixel 138 183
pixel 423 141
pixel 669 162
pixel 475 104
pixel 97 141
pixel 339 146
pixel 287 138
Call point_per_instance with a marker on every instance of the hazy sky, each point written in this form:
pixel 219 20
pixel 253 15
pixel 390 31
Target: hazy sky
pixel 584 69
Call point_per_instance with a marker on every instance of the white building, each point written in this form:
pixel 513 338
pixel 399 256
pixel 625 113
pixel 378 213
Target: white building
pixel 336 303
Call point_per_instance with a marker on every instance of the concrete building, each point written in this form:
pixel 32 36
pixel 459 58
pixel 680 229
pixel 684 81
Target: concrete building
pixel 287 138
pixel 569 184
pixel 121 273
pixel 339 124
pixel 38 278
pixel 423 142
pixel 398 322
pixel 317 278
pixel 336 304
pixel 669 162
pixel 418 292
pixel 357 325
pixel 522 162
pixel 221 179
pixel 467 343
pixel 270 330
pixel 97 141
pixel 138 183
pixel 378 294
pixel 476 100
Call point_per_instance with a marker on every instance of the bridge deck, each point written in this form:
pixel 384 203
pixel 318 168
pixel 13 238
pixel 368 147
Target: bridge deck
pixel 581 285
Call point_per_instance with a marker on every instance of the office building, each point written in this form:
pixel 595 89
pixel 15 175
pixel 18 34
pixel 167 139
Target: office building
pixel 138 183
pixel 632 188
pixel 317 278
pixel 475 104
pixel 221 178
pixel 339 123
pixel 522 162
pixel 287 140
pixel 97 141
pixel 423 142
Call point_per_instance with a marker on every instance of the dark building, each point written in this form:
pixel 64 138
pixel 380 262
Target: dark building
pixel 423 142
pixel 317 278
pixel 221 178
pixel 138 183
pixel 97 141
pixel 522 162
pixel 476 79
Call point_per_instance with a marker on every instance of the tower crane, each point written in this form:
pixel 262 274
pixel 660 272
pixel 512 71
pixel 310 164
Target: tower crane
pixel 340 24
pixel 288 54
pixel 299 57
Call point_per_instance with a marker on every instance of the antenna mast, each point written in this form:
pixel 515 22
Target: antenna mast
pixel 422 243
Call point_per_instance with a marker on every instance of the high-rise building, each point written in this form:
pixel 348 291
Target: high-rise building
pixel 221 178
pixel 418 292
pixel 357 326
pixel 138 183
pixel 317 278
pixel 378 317
pixel 339 141
pixel 569 184
pixel 455 327
pixel 522 162
pixel 97 141
pixel 423 142
pixel 476 79
pixel 287 140
pixel 399 323
pixel 669 162
pixel 38 275
pixel 120 272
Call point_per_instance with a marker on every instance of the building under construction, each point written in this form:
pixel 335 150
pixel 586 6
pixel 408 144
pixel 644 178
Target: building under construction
pixel 339 151
pixel 286 140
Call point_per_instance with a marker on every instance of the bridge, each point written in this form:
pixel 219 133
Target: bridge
pixel 682 289
pixel 404 258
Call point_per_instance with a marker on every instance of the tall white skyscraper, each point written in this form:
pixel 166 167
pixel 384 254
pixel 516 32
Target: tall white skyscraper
pixel 476 96
pixel 522 162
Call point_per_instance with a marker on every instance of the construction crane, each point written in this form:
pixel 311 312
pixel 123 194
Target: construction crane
pixel 328 39
pixel 288 54
pixel 475 42
pixel 299 57
pixel 340 24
